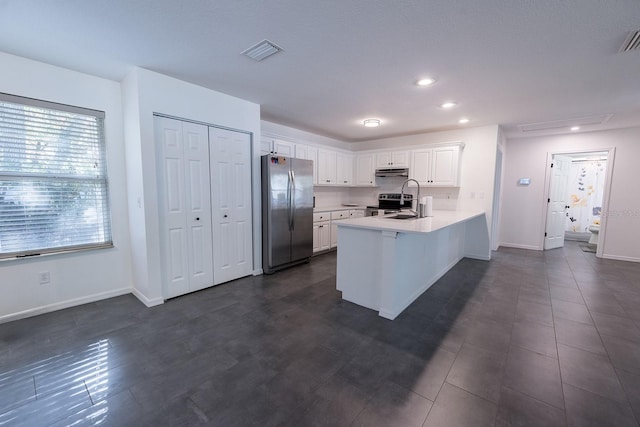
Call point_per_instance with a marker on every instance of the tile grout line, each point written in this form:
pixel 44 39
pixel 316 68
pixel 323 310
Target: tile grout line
pixel 601 340
pixel 555 337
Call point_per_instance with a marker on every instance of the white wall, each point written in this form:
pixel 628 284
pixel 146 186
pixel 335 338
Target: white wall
pixel 145 93
pixel 524 208
pixel 82 276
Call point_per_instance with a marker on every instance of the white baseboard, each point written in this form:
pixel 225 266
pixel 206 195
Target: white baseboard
pixel 518 246
pixel 621 258
pixel 146 301
pixel 63 304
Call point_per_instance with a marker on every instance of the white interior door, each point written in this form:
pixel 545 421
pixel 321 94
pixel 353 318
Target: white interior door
pixel 230 159
pixel 557 202
pixel 185 215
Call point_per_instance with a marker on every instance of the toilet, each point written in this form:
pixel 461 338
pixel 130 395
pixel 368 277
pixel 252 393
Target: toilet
pixel 595 233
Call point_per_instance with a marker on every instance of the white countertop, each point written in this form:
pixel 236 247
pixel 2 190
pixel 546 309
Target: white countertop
pixel 338 208
pixel 440 219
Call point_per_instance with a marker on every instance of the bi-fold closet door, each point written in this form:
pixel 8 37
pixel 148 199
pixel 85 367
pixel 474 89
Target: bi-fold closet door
pixel 203 170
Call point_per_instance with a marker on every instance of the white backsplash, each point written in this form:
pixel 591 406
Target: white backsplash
pixel 443 198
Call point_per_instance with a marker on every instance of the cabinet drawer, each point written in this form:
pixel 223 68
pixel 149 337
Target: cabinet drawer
pixel 339 215
pixel 321 216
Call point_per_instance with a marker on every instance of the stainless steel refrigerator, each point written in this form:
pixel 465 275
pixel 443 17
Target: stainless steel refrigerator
pixel 287 212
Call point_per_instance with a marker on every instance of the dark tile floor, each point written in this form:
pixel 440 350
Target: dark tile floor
pixel 530 338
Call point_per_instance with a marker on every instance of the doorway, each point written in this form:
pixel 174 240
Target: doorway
pixel 577 195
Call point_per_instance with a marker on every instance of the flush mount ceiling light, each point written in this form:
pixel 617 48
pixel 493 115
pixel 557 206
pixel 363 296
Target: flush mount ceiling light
pixel 372 123
pixel 463 120
pixel 574 128
pixel 427 81
pixel 448 104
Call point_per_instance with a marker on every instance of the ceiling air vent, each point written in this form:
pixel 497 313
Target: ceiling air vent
pixel 565 124
pixel 632 42
pixel 262 50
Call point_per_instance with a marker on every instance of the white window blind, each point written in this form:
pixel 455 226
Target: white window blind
pixel 53 178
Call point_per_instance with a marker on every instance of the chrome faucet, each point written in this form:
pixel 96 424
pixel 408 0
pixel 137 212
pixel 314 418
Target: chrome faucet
pixel 416 212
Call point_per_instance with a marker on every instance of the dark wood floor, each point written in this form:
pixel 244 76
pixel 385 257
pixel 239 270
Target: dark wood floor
pixel 530 338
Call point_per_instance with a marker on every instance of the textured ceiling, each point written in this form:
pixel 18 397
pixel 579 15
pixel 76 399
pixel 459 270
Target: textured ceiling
pixel 507 63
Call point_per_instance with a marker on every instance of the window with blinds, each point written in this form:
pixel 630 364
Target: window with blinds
pixel 53 178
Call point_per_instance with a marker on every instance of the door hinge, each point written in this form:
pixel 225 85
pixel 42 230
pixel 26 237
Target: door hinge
pixel 551 164
pixel 548 200
pixel 545 234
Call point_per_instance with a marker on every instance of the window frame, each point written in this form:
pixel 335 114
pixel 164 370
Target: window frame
pixel 101 180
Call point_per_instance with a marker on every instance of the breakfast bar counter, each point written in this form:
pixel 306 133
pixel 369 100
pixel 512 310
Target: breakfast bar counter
pixel 385 263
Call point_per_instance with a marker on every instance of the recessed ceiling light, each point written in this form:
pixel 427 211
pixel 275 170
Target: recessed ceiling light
pixel 448 104
pixel 575 128
pixel 372 123
pixel 426 81
pixel 463 120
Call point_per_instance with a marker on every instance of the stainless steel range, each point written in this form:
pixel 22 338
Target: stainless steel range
pixel 390 203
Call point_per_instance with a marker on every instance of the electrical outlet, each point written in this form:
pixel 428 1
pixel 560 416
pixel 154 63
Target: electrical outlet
pixel 44 277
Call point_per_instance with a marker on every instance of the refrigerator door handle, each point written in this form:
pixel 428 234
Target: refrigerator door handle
pixel 293 200
pixel 289 201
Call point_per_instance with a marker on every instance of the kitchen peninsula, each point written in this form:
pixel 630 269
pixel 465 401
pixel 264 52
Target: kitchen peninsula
pixel 385 264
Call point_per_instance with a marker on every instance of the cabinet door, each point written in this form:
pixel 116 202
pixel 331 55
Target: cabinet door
pixel 444 169
pixel 326 167
pixel 392 159
pixel 383 160
pixel 344 169
pixel 364 169
pixel 312 154
pixel 324 235
pixel 266 146
pixel 301 151
pixel 400 159
pixel 316 237
pixel 420 168
pixel 282 148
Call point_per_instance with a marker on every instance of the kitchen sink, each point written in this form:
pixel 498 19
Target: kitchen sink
pixel 403 216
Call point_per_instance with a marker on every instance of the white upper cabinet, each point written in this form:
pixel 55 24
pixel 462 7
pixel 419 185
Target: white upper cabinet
pixel 344 166
pixel 327 167
pixel 437 166
pixel 276 146
pixel 365 172
pixel 392 159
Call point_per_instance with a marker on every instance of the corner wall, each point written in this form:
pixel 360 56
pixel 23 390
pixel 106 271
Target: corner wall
pixel 524 208
pixel 145 93
pixel 85 276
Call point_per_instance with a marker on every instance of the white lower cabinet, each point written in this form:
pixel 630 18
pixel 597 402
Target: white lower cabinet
pixel 321 236
pixel 321 231
pixel 325 227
